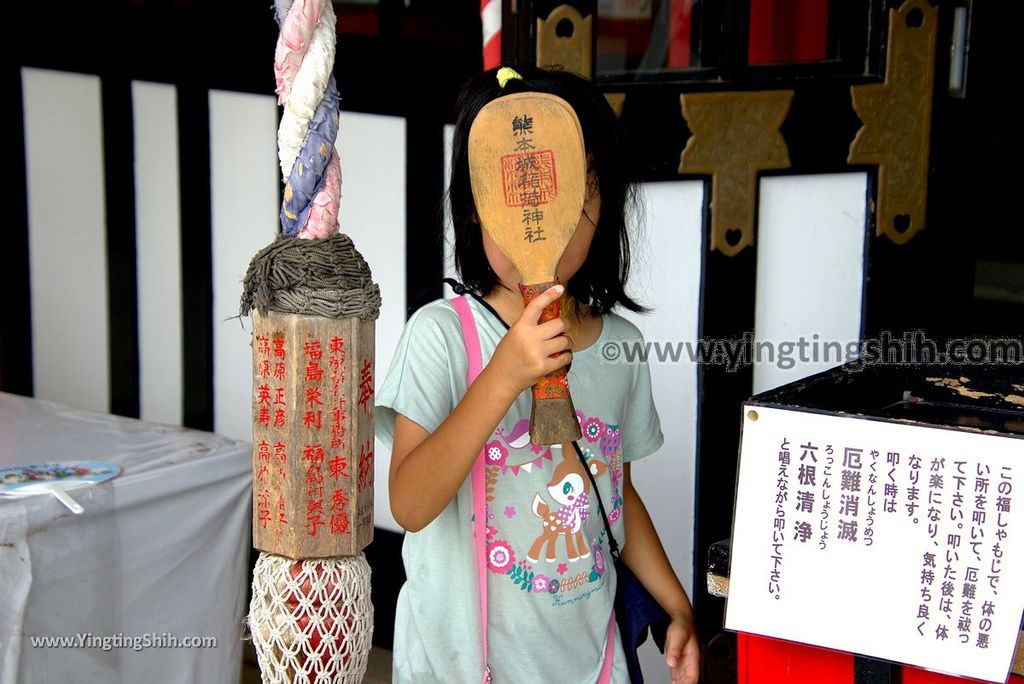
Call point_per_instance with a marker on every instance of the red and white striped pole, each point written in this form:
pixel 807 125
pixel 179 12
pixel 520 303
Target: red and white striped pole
pixel 490 17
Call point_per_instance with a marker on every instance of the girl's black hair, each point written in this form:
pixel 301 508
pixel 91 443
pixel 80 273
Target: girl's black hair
pixel 601 279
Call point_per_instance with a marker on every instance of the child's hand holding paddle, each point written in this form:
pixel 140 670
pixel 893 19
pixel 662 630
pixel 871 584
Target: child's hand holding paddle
pixel 530 349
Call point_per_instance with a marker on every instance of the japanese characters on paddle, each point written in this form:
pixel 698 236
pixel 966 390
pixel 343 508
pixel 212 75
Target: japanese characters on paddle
pixel 528 173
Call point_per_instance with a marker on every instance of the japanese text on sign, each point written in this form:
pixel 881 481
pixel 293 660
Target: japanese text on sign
pixel 903 534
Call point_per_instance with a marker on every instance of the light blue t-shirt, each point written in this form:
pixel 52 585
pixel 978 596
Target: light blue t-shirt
pixel 551 580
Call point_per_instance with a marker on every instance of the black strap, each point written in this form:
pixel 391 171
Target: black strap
pixel 613 546
pixel 460 289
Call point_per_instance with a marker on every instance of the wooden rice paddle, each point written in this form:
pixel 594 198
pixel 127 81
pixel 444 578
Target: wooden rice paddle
pixel 527 168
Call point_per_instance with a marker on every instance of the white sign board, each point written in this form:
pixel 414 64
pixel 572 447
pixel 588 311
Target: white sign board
pixel 889 540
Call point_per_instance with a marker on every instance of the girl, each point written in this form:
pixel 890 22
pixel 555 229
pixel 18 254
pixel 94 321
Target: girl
pixel 550 580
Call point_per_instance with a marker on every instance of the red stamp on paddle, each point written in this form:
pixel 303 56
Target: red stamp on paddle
pixel 528 178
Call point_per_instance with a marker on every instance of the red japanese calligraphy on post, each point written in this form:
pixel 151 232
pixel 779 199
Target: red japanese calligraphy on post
pixel 314 373
pixel 338 421
pixel 313 350
pixel 281 456
pixel 270 404
pixel 338 415
pixel 336 364
pixel 312 420
pixel 281 508
pixel 338 466
pixel 339 520
pixel 263 505
pixel 280 352
pixel 314 353
pixel 365 465
pixel 276 401
pixel 314 397
pixel 314 475
pixel 314 515
pixel 313 455
pixel 263 345
pixel 366 385
pixel 263 450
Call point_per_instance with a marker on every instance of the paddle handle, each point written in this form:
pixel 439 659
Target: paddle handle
pixel 553 418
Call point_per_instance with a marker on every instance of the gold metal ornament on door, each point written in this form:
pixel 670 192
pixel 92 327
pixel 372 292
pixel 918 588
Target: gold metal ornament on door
pixel 897 121
pixel 565 39
pixel 735 135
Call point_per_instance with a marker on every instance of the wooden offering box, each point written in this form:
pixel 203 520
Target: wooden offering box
pixel 313 389
pixel 880 512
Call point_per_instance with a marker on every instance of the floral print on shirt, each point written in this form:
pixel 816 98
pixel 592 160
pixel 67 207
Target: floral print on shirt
pixel 549 509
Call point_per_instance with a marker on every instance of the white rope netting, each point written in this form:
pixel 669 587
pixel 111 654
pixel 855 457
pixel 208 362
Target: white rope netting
pixel 311 621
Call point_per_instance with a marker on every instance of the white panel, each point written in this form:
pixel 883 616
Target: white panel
pixel 158 250
pixel 372 149
pixel 244 190
pixel 810 273
pixel 666 276
pixel 67 238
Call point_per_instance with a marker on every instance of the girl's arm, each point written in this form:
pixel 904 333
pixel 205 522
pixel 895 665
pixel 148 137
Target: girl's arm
pixel 427 469
pixel 645 556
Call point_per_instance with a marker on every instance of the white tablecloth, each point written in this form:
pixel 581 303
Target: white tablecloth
pixel 161 549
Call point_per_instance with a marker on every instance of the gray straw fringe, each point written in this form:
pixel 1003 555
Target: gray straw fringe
pixel 327 278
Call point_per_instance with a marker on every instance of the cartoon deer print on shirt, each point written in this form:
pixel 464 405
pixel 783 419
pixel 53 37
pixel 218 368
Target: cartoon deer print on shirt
pixel 568 487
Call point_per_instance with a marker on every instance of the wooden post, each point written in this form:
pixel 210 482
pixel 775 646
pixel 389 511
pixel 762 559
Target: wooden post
pixel 313 435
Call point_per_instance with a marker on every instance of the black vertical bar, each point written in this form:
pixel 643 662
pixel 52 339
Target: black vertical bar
pixel 835 27
pixel 196 254
pixel 735 55
pixel 871 671
pixel 874 50
pixel 16 312
pixel 424 194
pixel 726 312
pixel 122 291
pixel 510 10
pixel 520 33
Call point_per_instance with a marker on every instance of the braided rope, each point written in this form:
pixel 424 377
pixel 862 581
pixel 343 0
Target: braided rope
pixel 303 65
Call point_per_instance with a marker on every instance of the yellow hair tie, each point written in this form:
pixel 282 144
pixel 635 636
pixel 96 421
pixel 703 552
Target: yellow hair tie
pixel 506 74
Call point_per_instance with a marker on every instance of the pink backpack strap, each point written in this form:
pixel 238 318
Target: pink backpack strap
pixel 605 676
pixel 472 340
